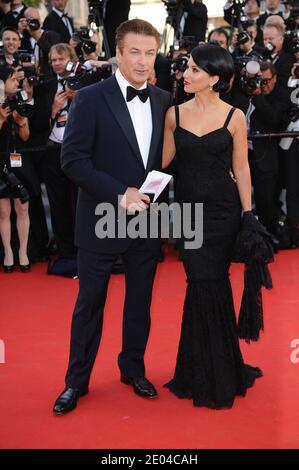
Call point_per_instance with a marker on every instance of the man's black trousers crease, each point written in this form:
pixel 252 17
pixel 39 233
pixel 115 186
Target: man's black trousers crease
pixel 94 272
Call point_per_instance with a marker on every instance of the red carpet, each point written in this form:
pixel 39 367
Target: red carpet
pixel 34 325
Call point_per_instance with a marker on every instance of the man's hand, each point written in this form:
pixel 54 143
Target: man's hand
pixel 60 98
pixel 22 25
pixel 133 200
pixel 4 113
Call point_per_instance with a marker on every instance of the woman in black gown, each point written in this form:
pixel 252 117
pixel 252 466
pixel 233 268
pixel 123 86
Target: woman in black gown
pixel 209 140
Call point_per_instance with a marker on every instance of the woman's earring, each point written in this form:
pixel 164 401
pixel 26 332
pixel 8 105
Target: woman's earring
pixel 211 88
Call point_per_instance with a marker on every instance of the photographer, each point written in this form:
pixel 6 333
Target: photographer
pixel 219 36
pixel 283 61
pixel 193 19
pixel 37 41
pixel 266 114
pixel 61 193
pixel 11 43
pixel 14 131
pixel 290 160
pixel 238 15
pixel 59 21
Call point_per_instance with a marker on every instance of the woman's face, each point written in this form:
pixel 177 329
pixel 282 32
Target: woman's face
pixel 11 85
pixel 196 80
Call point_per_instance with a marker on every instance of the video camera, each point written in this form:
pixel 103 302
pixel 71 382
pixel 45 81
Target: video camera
pixel 172 10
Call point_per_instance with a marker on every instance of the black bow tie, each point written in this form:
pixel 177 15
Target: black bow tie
pixel 65 15
pixel 142 94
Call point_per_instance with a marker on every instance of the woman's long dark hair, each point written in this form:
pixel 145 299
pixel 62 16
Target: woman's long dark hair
pixel 215 60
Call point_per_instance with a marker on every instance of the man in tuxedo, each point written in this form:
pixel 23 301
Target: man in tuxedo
pixel 13 14
pixel 37 41
pixel 113 139
pixel 59 21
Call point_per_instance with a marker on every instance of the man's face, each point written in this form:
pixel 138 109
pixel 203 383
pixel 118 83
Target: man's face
pixel 59 4
pixel 252 7
pixel 271 35
pixel 272 5
pixel 220 38
pixel 11 42
pixel 268 83
pixel 136 58
pixel 16 3
pixel 58 62
pixel 252 31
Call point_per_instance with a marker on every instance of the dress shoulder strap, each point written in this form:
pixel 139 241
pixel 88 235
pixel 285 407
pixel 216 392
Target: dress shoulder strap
pixel 229 116
pixel 177 115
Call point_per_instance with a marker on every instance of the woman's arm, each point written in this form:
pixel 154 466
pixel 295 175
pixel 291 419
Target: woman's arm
pixel 240 159
pixel 22 122
pixel 168 144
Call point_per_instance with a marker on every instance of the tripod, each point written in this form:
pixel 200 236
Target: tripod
pixel 96 16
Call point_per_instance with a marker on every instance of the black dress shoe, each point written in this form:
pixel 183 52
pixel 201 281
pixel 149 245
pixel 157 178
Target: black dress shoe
pixel 8 269
pixel 67 401
pixel 141 386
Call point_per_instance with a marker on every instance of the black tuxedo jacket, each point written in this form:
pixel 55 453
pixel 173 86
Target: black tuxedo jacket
pixel 100 154
pixel 53 22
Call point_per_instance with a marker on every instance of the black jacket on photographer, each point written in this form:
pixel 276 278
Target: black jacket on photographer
pixel 283 62
pixel 44 44
pixel 194 18
pixel 269 116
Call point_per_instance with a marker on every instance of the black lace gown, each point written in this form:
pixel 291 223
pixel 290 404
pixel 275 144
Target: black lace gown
pixel 209 367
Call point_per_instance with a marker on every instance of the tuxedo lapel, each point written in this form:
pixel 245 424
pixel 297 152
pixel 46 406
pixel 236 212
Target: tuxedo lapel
pixel 121 113
pixel 157 123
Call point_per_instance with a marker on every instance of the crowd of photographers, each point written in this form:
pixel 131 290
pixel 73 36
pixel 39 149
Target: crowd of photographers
pixel 42 66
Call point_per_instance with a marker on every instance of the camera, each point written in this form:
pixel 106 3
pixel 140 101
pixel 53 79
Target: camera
pixel 31 75
pixel 83 35
pixel 8 178
pixel 33 24
pixel 18 102
pixel 243 37
pixel 248 73
pixel 180 64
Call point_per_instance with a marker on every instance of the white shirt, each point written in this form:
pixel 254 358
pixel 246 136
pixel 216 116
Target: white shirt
pixel 141 115
pixel 64 19
pixel 57 133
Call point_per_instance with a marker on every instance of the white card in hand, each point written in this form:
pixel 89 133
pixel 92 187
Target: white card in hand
pixel 155 182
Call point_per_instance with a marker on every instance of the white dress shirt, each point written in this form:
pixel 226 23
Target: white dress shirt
pixel 141 115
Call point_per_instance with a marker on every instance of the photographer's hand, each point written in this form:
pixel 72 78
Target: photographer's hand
pixel 28 88
pixel 22 25
pixel 20 74
pixel 4 113
pixel 60 98
pixel 293 70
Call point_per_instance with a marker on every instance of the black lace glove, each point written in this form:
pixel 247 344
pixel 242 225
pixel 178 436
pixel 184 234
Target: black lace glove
pixel 254 248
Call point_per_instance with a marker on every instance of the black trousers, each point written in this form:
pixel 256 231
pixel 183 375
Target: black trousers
pixel 61 200
pixel 94 273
